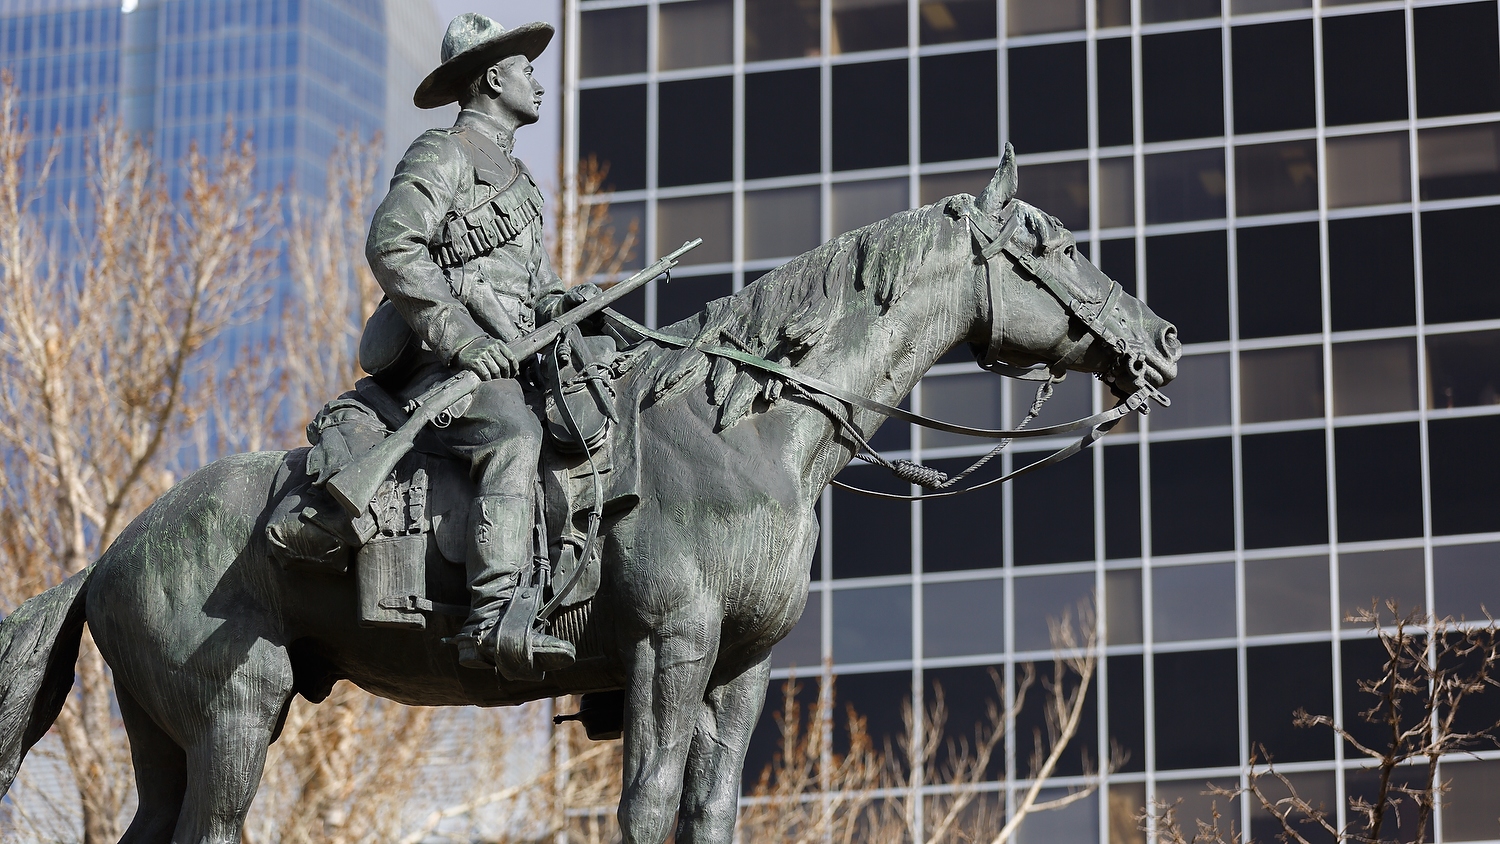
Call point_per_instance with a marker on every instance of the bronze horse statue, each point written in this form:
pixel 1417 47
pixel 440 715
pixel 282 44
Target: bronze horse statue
pixel 209 639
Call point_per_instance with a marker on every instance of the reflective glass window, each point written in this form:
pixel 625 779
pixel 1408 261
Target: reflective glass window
pixel 860 25
pixel 1318 788
pixel 1182 186
pixel 614 41
pixel 1029 17
pixel 1046 529
pixel 686 295
pixel 1280 280
pixel 612 130
pixel 960 105
pixel 1465 461
pixel 1457 161
pixel 1456 270
pixel 1116 97
pixel 871 536
pixel 1195 803
pixel 1364 784
pixel 1192 602
pixel 1161 11
pixel 766 738
pixel 1111 13
pixel 872 625
pixel 1286 596
pixel 1375 376
pixel 1368 170
pixel 1466 581
pixel 1183 85
pixel 781 29
pixel 1061 189
pixel 695 34
pixel 1042 601
pixel 963 617
pixel 1187 282
pixel 625 222
pixel 1048 96
pixel 803 647
pixel 708 217
pixel 1122 502
pixel 782 123
pixel 1116 192
pixel 782 222
pixel 944 21
pixel 967 693
pixel 1375 577
pixel 1200 394
pixel 1197 709
pixel 1117 260
pixel 870 114
pixel 695 141
pixel 1285 489
pixel 879 698
pixel 1127 708
pixel 939 186
pixel 857 204
pixel 1076 822
pixel 963 532
pixel 1273 76
pixel 1364 68
pixel 1031 723
pixel 1371 273
pixel 1192 497
pixel 971 399
pixel 1254 7
pixel 1379 476
pixel 1461 369
pixel 1458 59
pixel 1122 594
pixel 1469 803
pixel 1276 178
pixel 1280 680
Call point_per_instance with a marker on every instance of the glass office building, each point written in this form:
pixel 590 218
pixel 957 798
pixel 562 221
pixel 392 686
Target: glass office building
pixel 1309 190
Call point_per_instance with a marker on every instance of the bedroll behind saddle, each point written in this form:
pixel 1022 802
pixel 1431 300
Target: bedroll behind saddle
pixel 420 517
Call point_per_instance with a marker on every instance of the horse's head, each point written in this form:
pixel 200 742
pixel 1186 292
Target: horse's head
pixel 1050 305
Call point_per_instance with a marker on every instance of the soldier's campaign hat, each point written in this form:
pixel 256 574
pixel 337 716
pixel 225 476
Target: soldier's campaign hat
pixel 472 44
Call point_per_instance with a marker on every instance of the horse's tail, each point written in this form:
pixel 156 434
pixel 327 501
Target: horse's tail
pixel 38 646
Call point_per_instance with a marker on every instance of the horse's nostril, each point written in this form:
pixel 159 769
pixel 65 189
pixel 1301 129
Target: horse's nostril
pixel 1169 342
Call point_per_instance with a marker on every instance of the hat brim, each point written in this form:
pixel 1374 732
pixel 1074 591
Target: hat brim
pixel 444 85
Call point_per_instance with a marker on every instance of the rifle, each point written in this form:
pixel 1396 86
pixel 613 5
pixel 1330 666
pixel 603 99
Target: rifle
pixel 355 485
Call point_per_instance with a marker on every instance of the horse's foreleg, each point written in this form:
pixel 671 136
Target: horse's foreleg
pixel 669 674
pixel 226 748
pixel 711 787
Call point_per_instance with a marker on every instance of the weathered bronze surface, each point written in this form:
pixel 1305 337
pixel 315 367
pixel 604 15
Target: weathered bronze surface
pixel 712 474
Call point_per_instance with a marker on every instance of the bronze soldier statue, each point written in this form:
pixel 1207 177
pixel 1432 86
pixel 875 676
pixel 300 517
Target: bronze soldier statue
pixel 457 247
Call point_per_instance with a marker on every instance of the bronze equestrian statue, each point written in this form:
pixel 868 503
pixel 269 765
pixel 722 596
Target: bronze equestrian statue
pixel 724 430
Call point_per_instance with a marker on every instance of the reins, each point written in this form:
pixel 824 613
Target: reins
pixel 991 244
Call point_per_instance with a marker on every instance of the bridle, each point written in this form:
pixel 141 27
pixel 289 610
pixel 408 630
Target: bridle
pixel 989 245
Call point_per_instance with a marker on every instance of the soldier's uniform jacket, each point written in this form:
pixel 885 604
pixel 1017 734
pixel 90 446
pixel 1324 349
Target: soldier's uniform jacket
pixel 457 243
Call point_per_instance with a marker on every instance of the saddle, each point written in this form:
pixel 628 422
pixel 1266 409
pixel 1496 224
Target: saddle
pixel 590 462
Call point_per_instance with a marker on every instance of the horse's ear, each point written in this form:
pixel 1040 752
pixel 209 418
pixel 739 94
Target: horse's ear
pixel 1003 186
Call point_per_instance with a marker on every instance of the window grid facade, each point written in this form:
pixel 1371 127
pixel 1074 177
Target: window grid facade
pixel 1325 438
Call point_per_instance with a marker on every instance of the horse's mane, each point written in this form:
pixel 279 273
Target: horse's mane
pixel 785 313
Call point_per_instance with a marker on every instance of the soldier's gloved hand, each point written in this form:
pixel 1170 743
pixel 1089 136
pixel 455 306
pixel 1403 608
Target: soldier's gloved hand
pixel 577 295
pixel 488 358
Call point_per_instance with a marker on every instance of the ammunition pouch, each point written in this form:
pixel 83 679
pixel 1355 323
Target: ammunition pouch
pixel 489 225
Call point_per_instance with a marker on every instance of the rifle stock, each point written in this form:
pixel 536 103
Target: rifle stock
pixel 355 485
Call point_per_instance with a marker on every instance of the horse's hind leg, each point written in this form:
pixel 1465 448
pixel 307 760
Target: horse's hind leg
pixel 711 784
pixel 226 747
pixel 160 775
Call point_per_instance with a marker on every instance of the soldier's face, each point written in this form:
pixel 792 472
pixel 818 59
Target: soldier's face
pixel 519 92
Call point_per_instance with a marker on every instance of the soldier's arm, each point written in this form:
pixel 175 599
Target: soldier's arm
pixel 407 221
pixel 549 301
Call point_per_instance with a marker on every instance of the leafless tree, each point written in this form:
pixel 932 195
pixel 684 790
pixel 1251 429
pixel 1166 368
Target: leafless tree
pixel 1417 707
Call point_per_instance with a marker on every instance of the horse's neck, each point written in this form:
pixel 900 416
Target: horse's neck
pixel 883 353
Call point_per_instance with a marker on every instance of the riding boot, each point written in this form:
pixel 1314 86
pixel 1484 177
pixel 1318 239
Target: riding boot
pixel 499 547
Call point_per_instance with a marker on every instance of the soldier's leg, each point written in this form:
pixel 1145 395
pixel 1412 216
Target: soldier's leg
pixel 502 440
